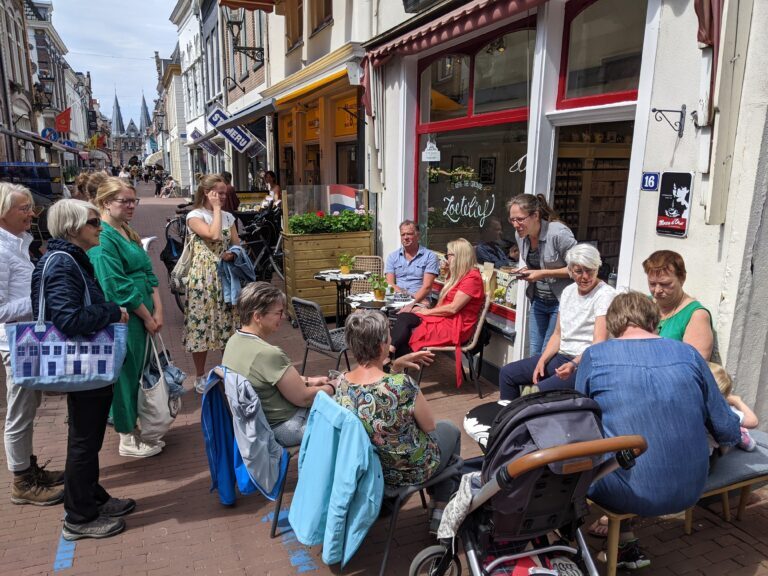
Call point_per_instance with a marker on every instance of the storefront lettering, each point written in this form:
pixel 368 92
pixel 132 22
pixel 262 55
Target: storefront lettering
pixel 463 207
pixel 467 184
pixel 520 165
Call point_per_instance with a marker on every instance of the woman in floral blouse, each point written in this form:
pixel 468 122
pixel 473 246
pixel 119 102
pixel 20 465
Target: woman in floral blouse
pixel 411 445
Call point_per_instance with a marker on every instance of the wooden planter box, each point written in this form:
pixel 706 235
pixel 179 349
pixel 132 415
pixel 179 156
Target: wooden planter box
pixel 306 254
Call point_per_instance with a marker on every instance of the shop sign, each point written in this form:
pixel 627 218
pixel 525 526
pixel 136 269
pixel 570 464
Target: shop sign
pixel 206 145
pixel 430 153
pixel 240 138
pixel 346 116
pixel 468 205
pixel 674 204
pixel 650 182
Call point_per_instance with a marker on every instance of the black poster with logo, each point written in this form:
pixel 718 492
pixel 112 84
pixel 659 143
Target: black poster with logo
pixel 674 204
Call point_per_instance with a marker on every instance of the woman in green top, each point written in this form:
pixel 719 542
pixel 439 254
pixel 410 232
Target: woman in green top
pixel 682 317
pixel 124 271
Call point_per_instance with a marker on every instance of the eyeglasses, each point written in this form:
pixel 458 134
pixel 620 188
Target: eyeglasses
pixel 127 201
pixel 518 220
pixel 95 222
pixel 583 272
pixel 26 208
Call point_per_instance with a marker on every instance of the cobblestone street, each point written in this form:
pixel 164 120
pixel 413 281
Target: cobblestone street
pixel 180 528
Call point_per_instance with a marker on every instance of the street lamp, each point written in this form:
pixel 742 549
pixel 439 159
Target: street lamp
pixel 235 20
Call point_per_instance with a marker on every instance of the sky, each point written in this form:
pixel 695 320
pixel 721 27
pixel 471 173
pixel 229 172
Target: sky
pixel 116 41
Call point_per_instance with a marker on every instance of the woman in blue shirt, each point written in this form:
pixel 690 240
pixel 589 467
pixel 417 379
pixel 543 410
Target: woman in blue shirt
pixel 663 390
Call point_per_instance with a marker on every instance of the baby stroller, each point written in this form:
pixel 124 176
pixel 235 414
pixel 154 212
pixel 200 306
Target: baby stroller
pixel 521 514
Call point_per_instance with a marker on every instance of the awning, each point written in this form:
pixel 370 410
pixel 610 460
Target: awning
pixel 324 81
pixel 249 114
pixel 154 158
pixel 471 16
pixel 265 5
pixel 27 136
pixel 64 148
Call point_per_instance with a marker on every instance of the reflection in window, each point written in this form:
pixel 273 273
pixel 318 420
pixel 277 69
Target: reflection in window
pixel 466 191
pixel 445 89
pixel 503 72
pixel 605 48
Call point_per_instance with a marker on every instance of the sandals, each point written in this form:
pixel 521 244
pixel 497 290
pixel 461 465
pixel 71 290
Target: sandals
pixel 599 528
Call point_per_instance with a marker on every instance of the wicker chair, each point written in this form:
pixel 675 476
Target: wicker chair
pixel 314 330
pixel 372 264
pixel 472 350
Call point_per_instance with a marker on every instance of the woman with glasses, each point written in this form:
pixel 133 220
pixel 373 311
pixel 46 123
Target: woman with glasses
pixel 580 323
pixel 543 242
pixel 124 271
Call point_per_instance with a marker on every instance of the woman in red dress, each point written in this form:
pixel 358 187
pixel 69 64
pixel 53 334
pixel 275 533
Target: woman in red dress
pixel 453 320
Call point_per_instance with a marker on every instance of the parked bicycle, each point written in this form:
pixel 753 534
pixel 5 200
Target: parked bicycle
pixel 263 241
pixel 175 237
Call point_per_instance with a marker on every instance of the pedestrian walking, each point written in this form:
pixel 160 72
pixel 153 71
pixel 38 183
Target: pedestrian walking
pixel 124 271
pixel 75 226
pixel 31 483
pixel 208 321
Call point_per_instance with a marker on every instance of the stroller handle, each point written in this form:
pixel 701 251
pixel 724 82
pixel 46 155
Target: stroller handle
pixel 579 451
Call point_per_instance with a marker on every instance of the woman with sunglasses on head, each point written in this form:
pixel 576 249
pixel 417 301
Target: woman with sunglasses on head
pixel 543 242
pixel 124 271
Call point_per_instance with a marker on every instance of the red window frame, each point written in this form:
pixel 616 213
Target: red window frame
pixel 573 9
pixel 471 120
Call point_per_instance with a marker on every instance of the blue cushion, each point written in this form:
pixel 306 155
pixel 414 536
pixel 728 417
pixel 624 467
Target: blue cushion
pixel 738 465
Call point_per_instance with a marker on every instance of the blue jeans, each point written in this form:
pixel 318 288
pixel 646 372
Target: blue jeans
pixel 518 374
pixel 541 324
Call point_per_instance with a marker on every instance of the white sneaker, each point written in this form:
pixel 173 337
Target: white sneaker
pixel 132 446
pixel 200 382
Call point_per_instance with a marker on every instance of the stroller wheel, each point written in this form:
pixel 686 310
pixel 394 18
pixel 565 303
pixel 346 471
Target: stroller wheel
pixel 427 562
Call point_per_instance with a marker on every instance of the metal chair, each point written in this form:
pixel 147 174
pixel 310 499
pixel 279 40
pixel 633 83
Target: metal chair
pixel 472 350
pixel 317 337
pixel 399 496
pixel 372 264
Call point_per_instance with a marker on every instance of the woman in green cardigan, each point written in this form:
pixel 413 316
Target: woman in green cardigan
pixel 124 271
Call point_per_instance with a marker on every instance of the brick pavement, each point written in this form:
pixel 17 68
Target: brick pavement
pixel 180 528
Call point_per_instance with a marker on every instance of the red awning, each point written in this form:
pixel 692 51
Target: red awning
pixel 470 17
pixel 265 5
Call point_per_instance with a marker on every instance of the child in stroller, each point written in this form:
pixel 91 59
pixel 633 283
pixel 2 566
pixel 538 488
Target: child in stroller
pixel 521 514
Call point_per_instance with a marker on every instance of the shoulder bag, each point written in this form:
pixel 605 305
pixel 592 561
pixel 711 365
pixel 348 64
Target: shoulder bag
pixel 43 358
pixel 156 408
pixel 180 271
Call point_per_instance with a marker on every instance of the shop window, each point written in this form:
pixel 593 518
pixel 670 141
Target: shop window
pixel 445 88
pixel 346 163
pixel 464 193
pixel 321 14
pixel 602 52
pixel 503 72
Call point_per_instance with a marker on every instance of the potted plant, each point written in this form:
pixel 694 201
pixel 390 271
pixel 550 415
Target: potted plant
pixel 379 285
pixel 345 262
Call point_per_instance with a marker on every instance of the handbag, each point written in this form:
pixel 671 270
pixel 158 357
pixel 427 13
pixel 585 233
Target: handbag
pixel 43 358
pixel 180 271
pixel 156 408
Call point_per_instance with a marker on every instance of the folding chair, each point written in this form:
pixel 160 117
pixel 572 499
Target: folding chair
pixel 314 330
pixel 372 264
pixel 472 349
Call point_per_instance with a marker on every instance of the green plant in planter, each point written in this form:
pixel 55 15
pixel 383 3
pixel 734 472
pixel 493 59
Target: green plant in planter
pixel 346 260
pixel 378 282
pixel 320 223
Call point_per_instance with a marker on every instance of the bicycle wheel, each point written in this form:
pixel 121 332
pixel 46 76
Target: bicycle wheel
pixel 425 563
pixel 176 231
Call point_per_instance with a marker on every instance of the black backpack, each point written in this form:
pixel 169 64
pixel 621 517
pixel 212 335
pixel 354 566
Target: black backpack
pixel 547 498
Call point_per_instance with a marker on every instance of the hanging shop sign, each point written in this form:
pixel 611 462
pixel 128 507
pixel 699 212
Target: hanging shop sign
pixel 206 145
pixel 674 204
pixel 431 153
pixel 240 138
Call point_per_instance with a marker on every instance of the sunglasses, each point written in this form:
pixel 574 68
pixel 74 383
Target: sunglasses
pixel 95 222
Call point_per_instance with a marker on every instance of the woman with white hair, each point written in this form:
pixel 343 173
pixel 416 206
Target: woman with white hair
pixel 31 484
pixel 580 323
pixel 75 226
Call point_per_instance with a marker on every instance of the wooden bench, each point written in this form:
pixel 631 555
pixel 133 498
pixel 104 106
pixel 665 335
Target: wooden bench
pixel 737 470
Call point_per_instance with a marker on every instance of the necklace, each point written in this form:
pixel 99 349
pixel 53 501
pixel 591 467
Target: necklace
pixel 676 309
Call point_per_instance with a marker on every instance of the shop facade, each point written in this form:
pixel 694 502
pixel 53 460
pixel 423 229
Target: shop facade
pixel 491 100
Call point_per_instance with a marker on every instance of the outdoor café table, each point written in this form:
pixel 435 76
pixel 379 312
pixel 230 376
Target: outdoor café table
pixel 343 283
pixel 477 422
pixel 367 300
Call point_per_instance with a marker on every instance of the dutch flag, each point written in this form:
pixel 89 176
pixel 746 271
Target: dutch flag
pixel 341 197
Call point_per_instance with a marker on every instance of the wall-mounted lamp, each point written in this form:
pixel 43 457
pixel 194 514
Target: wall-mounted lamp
pixel 678 126
pixel 235 20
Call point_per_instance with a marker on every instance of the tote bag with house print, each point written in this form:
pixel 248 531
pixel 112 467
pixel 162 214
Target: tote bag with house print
pixel 43 358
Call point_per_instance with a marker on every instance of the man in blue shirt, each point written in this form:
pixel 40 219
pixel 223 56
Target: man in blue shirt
pixel 413 268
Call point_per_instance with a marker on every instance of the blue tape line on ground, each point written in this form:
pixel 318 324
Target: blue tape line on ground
pixel 297 553
pixel 65 553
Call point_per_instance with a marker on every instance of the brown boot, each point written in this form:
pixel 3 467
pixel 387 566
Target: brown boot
pixel 45 477
pixel 27 491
